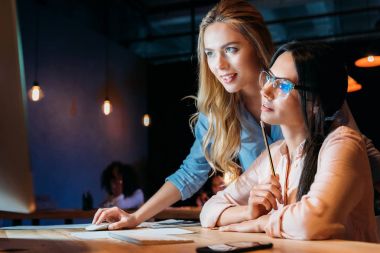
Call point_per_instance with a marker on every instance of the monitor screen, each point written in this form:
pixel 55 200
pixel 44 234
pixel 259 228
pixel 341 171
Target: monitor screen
pixel 16 187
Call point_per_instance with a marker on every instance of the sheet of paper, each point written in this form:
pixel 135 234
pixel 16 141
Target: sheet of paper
pixel 149 239
pixel 91 235
pixel 170 223
pixel 148 231
pixel 65 226
pixel 157 231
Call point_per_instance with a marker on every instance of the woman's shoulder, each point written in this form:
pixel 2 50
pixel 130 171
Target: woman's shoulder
pixel 346 136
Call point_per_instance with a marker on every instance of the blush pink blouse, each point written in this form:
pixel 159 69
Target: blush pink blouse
pixel 338 205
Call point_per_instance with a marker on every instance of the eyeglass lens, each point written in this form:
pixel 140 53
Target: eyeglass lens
pixel 283 86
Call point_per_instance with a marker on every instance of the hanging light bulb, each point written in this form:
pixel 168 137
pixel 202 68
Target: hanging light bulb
pixel 35 93
pixel 368 61
pixel 107 107
pixel 146 120
pixel 353 85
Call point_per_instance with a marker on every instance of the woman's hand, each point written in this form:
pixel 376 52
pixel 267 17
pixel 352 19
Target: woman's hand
pixel 262 197
pixel 249 226
pixel 117 217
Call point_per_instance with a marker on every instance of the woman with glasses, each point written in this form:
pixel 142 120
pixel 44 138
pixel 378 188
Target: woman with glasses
pixel 323 186
pixel 234 44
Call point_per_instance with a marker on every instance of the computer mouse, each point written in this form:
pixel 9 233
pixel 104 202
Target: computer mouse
pixel 94 227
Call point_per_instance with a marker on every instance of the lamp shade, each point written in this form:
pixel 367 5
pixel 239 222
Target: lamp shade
pixel 353 85
pixel 368 61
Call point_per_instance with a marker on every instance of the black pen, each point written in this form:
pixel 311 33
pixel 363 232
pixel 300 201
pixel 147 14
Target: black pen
pixel 267 147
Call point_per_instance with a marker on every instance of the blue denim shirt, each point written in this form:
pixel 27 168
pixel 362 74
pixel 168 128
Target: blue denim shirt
pixel 194 170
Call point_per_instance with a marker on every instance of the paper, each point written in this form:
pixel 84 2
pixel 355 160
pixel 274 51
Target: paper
pixel 170 223
pixel 66 226
pixel 152 236
pixel 147 239
pixel 91 235
pixel 154 232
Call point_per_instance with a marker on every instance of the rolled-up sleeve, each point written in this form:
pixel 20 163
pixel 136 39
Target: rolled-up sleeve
pixel 237 193
pixel 194 170
pixel 336 190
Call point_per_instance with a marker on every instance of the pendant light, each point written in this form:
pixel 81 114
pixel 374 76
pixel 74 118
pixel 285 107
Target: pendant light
pixel 353 85
pixel 371 59
pixel 368 61
pixel 107 106
pixel 35 93
pixel 146 120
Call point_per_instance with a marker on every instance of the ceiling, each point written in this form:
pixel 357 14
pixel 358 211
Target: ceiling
pixel 166 30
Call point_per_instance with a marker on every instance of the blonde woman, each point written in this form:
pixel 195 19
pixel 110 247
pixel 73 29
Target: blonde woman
pixel 234 44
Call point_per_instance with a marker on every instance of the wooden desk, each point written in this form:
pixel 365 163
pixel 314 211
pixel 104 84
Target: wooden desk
pixel 60 240
pixel 68 215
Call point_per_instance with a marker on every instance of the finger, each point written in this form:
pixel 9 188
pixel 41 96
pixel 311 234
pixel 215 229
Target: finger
pixel 263 202
pixel 97 214
pixel 117 225
pixel 267 199
pixel 265 188
pixel 107 215
pixel 228 228
pixel 245 227
pixel 276 193
pixel 275 180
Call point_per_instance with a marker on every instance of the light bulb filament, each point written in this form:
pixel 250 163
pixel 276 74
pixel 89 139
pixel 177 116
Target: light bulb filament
pixel 146 120
pixel 107 107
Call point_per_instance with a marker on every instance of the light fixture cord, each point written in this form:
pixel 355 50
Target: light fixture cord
pixel 36 43
pixel 106 28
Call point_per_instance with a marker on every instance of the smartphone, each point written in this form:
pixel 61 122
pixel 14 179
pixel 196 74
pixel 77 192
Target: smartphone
pixel 235 247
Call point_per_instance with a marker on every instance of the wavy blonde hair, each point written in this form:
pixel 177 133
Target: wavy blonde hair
pixel 221 144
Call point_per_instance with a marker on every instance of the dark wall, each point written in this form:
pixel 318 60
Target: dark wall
pixel 71 140
pixel 364 103
pixel 170 136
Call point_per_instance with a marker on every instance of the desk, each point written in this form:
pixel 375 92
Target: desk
pixel 68 215
pixel 60 240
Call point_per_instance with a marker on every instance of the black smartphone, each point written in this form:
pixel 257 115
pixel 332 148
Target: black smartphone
pixel 235 247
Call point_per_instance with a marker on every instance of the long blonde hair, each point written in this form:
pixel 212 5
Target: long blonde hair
pixel 221 144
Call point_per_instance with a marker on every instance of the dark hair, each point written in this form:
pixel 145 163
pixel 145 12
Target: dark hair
pixel 207 187
pixel 322 70
pixel 127 173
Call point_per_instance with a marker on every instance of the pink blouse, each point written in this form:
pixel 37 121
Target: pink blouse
pixel 338 205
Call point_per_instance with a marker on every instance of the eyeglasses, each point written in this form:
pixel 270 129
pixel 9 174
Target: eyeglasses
pixel 283 86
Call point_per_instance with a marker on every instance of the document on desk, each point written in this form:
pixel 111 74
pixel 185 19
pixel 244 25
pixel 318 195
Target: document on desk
pixel 145 235
pixel 170 223
pixel 152 236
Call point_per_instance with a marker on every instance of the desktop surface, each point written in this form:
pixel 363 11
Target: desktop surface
pixel 60 240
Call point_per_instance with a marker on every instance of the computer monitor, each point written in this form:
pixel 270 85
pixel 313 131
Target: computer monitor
pixel 16 187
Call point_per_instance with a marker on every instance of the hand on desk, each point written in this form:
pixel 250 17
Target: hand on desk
pixel 257 225
pixel 117 217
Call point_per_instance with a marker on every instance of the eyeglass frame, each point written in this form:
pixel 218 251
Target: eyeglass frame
pixel 274 78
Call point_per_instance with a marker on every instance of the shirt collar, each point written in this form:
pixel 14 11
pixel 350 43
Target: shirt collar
pixel 298 153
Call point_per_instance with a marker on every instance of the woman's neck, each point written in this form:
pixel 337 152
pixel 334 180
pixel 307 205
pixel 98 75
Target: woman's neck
pixel 252 102
pixel 293 136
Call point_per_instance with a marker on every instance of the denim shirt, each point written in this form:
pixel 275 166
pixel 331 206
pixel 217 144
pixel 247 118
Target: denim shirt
pixel 194 170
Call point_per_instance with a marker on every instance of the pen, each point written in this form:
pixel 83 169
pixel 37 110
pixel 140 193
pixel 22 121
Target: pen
pixel 267 147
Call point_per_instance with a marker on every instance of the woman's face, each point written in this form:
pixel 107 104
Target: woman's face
pixel 116 184
pixel 231 58
pixel 278 108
